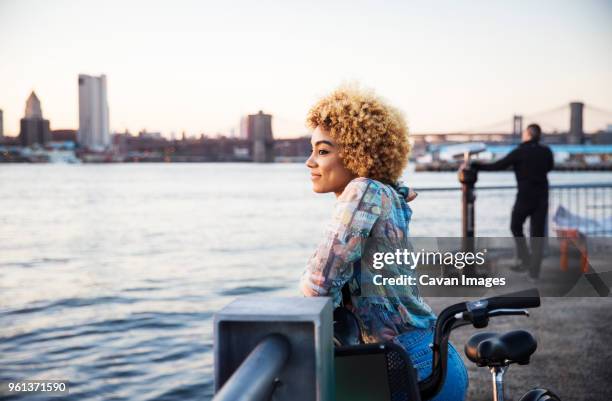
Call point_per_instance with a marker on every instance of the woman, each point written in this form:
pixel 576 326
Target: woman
pixel 359 150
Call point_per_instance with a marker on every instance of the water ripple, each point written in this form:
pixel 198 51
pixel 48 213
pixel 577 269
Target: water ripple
pixel 247 290
pixel 74 303
pixel 187 392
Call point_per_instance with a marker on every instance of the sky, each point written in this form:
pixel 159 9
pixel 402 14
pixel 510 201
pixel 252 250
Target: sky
pixel 198 66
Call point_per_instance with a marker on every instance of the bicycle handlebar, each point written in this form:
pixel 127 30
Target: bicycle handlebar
pixel 517 300
pixel 477 313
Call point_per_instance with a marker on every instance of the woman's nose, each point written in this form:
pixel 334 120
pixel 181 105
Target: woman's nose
pixel 310 163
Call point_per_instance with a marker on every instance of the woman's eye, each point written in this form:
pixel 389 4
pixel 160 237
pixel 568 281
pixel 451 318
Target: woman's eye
pixel 323 152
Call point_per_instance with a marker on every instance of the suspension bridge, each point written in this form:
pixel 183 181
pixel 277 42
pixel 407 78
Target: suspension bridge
pixel 578 115
pixel 577 118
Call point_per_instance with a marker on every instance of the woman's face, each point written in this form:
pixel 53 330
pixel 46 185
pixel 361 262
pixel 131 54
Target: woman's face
pixel 327 172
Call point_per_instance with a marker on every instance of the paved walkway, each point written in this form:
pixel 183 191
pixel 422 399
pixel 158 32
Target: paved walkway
pixel 573 356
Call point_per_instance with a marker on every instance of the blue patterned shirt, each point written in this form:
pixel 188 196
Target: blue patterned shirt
pixel 367 210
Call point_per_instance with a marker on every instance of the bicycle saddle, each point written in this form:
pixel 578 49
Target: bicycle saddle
pixel 493 349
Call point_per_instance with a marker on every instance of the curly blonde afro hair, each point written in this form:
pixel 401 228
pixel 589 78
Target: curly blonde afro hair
pixel 372 135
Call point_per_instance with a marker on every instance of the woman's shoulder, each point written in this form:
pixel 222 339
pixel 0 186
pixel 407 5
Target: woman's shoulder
pixel 367 190
pixel 361 185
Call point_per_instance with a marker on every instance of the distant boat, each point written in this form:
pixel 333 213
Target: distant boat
pixel 63 156
pixel 41 155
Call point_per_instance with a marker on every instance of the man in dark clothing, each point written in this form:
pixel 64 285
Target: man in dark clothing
pixel 531 162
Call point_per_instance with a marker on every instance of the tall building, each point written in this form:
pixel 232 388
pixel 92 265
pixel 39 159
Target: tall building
pixel 259 132
pixel 1 125
pixel 34 129
pixel 244 127
pixel 93 131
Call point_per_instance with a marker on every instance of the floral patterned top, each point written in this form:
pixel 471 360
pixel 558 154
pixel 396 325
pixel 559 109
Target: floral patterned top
pixel 367 210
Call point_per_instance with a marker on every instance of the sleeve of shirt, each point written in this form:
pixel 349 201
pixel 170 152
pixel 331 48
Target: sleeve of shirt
pixel 330 267
pixel 551 160
pixel 501 164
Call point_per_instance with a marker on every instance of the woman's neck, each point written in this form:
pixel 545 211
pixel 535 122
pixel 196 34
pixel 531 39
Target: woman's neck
pixel 339 192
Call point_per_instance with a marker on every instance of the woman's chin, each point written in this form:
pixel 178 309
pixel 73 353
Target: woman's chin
pixel 318 189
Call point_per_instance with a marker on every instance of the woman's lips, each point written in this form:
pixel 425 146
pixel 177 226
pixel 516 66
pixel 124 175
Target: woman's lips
pixel 315 176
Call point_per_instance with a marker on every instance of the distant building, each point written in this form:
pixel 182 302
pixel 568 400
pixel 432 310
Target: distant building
pixel 292 149
pixel 63 135
pixel 34 129
pixel 93 131
pixel 601 138
pixel 1 125
pixel 145 134
pixel 260 134
pixel 244 127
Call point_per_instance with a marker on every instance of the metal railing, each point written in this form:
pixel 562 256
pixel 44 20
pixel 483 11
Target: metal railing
pixel 586 208
pixel 257 376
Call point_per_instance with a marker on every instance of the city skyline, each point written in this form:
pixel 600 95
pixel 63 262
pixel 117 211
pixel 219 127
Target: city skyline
pixel 200 67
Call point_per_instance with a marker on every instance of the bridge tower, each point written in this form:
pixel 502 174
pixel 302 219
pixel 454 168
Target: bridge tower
pixel 576 134
pixel 517 128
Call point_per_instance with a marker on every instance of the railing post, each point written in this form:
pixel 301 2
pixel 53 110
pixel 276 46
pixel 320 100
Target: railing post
pixel 468 177
pixel 245 325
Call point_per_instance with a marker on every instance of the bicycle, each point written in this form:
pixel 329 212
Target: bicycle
pixel 495 351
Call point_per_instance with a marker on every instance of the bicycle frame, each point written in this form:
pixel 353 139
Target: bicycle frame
pixel 475 313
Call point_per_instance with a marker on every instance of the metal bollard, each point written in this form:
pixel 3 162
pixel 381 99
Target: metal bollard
pixel 248 359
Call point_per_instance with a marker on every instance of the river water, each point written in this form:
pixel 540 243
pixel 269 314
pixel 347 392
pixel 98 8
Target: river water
pixel 110 274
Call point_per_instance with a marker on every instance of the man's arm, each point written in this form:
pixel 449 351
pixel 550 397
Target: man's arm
pixel 500 164
pixel 551 160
